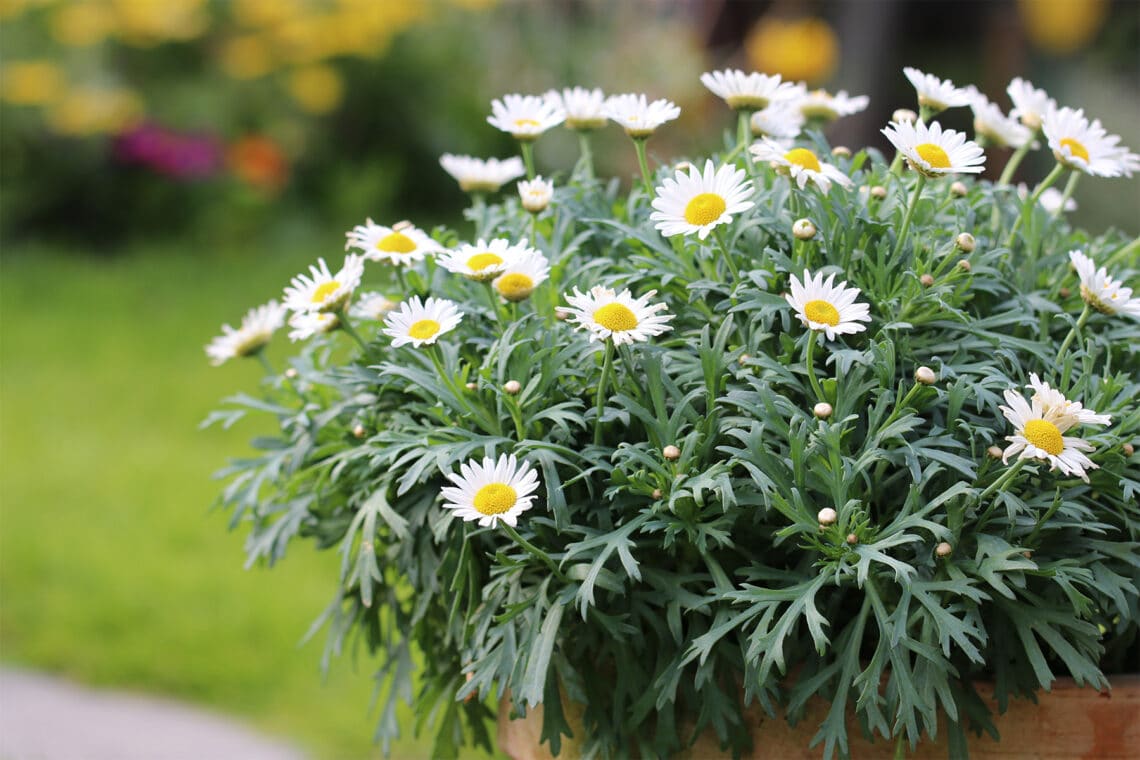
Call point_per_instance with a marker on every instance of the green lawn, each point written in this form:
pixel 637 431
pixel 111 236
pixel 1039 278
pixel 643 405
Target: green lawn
pixel 114 569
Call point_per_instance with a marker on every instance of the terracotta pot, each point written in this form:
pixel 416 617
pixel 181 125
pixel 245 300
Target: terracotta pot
pixel 1066 723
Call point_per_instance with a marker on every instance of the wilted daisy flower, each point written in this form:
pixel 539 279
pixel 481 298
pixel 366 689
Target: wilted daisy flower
pixel 1102 292
pixel 638 117
pixel 933 151
pixel 1087 147
pixel 482 261
pixel 1039 428
pixel 478 176
pixel 1054 405
pixel 696 202
pixel 619 317
pixel 522 276
pixel 491 491
pixel 536 194
pixel 306 324
pixel 322 291
pixel 748 92
pixel 803 165
pixel 257 327
pixel 421 323
pixel 781 121
pixel 995 126
pixel 525 117
pixel 827 307
pixel 1050 199
pixel 822 105
pixel 401 243
pixel 934 93
pixel 373 306
pixel 1030 104
pixel 585 109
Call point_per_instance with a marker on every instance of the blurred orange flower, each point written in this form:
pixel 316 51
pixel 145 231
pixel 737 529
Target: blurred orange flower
pixel 1062 26
pixel 258 161
pixel 803 49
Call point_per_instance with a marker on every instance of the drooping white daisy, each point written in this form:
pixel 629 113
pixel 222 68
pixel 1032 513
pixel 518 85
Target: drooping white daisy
pixel 995 126
pixel 1050 199
pixel 491 491
pixel 536 194
pixel 306 324
pixel 484 260
pixel 421 322
pixel 1040 426
pixel 257 327
pixel 1103 293
pixel 400 244
pixel 698 202
pixel 608 315
pixel 821 105
pixel 803 165
pixel 934 93
pixel 321 291
pixel 638 117
pixel 748 92
pixel 525 117
pixel 933 151
pixel 585 109
pixel 1087 147
pixel 780 121
pixel 522 276
pixel 475 175
pixel 827 307
pixel 374 306
pixel 1030 104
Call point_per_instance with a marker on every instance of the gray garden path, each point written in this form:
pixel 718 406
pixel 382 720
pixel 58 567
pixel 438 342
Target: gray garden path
pixel 45 718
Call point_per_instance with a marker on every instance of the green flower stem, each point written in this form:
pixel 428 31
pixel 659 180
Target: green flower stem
pixel 918 185
pixel 586 159
pixel 528 157
pixel 808 360
pixel 639 146
pixel 516 415
pixel 719 234
pixel 926 113
pixel 261 357
pixel 1015 161
pixel 531 549
pixel 998 485
pixel 1127 251
pixel 607 364
pixel 346 325
pixel 488 421
pixel 896 164
pixel 744 138
pixel 901 404
pixel 1072 334
pixel 1031 201
pixel 479 212
pixel 1070 186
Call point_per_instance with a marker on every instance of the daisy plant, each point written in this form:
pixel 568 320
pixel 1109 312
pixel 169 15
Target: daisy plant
pixel 681 458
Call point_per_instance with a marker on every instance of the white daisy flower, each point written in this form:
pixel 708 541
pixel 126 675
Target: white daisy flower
pixel 780 121
pixel 827 307
pixel 525 117
pixel 803 165
pixel 934 93
pixel 536 194
pixel 1087 147
pixel 475 175
pixel 484 260
pixel 638 117
pixel 933 151
pixel 491 491
pixel 1039 428
pixel 1050 199
pixel 257 327
pixel 522 276
pixel 321 291
pixel 1102 292
pixel 585 109
pixel 374 306
pixel 421 322
pixel 749 92
pixel 696 202
pixel 822 105
pixel 402 243
pixel 619 317
pixel 306 324
pixel 1030 104
pixel 995 126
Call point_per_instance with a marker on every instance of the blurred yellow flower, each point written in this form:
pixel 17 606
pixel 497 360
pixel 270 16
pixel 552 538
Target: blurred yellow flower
pixel 31 83
pixel 264 13
pixel 150 22
pixel 247 57
pixel 317 89
pixel 10 9
pixel 89 111
pixel 1062 26
pixel 81 24
pixel 800 49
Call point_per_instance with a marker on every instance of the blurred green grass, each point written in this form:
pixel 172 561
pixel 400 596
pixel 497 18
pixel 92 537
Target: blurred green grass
pixel 114 569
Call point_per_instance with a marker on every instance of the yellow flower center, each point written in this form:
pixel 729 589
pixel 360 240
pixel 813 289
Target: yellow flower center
pixel 514 286
pixel 495 498
pixel 526 123
pixel 1075 148
pixel 821 312
pixel 1045 436
pixel 481 261
pixel 704 209
pixel 423 329
pixel 324 290
pixel 802 157
pixel 396 242
pixel 615 317
pixel 933 155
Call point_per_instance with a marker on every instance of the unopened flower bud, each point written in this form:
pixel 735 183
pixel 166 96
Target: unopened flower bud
pixel 358 431
pixel 402 225
pixel 471 386
pixel 1027 554
pixel 841 151
pixel 904 115
pixel 1128 449
pixel 822 410
pixel 852 539
pixel 291 373
pixel 683 166
pixel 512 387
pixel 943 549
pixel 803 229
pixel 535 194
pixel 657 494
pixel 995 452
pixel 959 189
pixel 671 452
pixel 878 192
pixel 744 358
pixel 925 375
pixel 964 265
pixel 561 314
pixel 1065 292
pixel 966 242
pixel 927 280
pixel 827 516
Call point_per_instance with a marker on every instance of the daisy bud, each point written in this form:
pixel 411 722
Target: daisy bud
pixel 803 229
pixel 471 386
pixel 959 189
pixel 744 358
pixel 672 453
pixel 926 280
pixel 683 166
pixel 512 387
pixel 1027 554
pixel 841 151
pixel 904 115
pixel 852 539
pixel 358 431
pixel 402 225
pixel 657 494
pixel 827 516
pixel 535 194
pixel 966 242
pixel 964 265
pixel 878 192
pixel 995 452
pixel 1065 292
pixel 1128 449
pixel 943 549
pixel 822 410
pixel 561 315
pixel 925 375
pixel 291 373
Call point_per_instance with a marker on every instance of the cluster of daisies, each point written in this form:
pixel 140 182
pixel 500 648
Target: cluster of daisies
pixel 696 201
